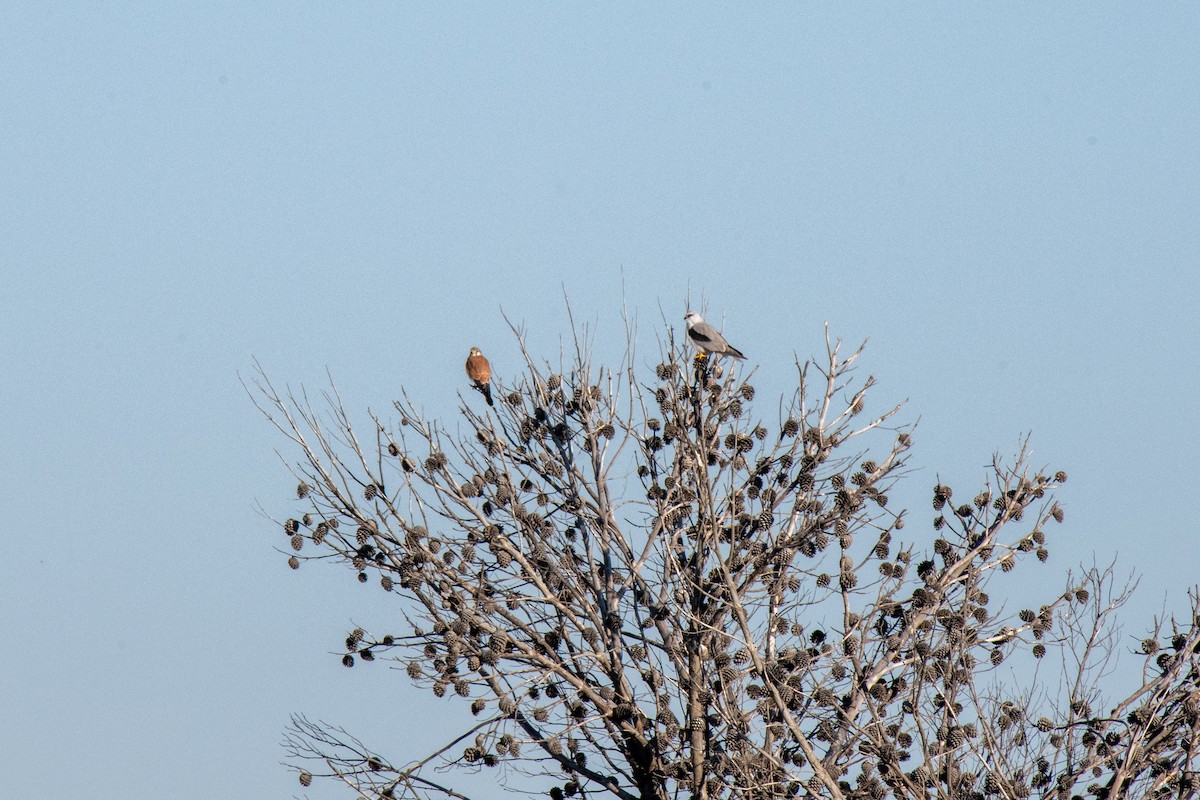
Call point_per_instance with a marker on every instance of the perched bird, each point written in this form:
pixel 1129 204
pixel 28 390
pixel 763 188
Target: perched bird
pixel 707 338
pixel 480 373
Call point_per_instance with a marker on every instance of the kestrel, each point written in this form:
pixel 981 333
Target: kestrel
pixel 480 373
pixel 707 338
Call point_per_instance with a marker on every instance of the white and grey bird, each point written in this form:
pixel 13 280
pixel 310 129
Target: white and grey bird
pixel 707 338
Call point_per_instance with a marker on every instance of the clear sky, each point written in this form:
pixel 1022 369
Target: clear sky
pixel 1002 197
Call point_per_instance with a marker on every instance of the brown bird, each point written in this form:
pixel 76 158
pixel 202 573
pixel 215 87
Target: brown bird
pixel 480 373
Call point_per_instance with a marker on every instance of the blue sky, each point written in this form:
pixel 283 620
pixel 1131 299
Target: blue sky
pixel 1002 198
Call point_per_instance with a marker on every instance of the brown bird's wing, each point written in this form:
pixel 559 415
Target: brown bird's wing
pixel 478 369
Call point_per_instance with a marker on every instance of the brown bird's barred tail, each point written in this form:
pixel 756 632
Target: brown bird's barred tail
pixel 487 393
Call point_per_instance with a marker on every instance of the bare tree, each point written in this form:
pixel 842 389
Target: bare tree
pixel 642 589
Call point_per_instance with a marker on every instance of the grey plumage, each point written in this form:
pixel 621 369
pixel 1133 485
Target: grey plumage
pixel 708 339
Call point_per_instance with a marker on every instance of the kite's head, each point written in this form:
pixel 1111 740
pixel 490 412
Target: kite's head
pixel 691 318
